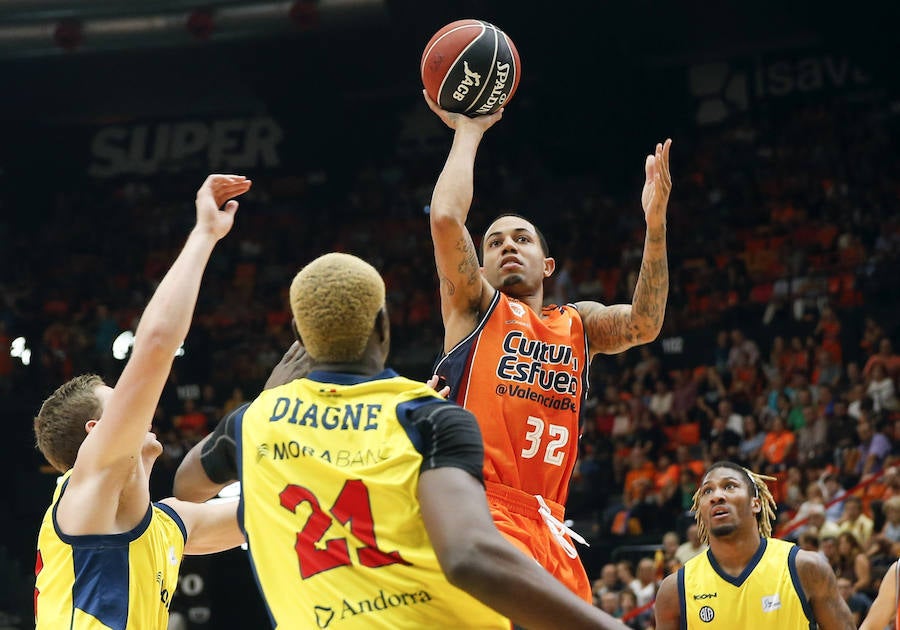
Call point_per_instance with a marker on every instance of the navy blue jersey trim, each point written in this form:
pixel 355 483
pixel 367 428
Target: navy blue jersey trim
pixel 100 586
pixel 739 580
pixel 168 509
pixel 798 586
pixel 682 600
pixel 471 335
pixel 239 458
pixel 92 540
pixel 340 378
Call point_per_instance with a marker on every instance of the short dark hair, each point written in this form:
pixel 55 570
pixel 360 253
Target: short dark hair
pixel 543 241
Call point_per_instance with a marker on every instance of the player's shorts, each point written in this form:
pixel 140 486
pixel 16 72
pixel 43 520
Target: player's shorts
pixel 534 526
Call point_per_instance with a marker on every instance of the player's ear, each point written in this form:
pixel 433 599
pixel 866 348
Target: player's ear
pixel 296 332
pixel 382 324
pixel 549 267
pixel 755 505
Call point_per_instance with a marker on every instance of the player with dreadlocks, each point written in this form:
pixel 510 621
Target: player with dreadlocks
pixel 747 579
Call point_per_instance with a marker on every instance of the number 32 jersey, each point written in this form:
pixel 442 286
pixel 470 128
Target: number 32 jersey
pixel 329 468
pixel 524 376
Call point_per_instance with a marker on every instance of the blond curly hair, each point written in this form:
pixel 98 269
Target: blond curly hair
pixel 335 300
pixel 756 483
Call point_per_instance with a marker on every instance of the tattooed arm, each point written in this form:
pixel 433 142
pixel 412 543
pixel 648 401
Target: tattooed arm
pixel 612 329
pixel 817 578
pixel 464 291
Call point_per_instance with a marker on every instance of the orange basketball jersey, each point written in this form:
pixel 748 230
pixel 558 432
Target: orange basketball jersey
pixel 524 376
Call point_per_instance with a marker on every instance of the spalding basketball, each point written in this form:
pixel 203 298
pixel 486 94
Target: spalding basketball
pixel 471 67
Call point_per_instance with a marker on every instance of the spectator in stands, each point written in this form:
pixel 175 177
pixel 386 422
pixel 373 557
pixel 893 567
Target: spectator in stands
pixel 808 541
pixel 886 357
pixel 608 582
pixel 609 603
pixel 692 546
pixel 812 438
pixel 628 603
pixel 670 544
pixel 873 448
pixel 661 402
pixel 842 436
pixel 859 603
pixel 832 490
pixel 820 523
pixel 625 572
pixel 853 563
pixel 778 447
pixel 724 437
pixel 891 529
pixel 854 521
pixel 828 547
pixel 752 442
pixel 881 389
pixel 645 583
pixel 684 393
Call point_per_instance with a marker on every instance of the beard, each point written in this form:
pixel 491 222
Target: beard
pixel 513 279
pixel 721 531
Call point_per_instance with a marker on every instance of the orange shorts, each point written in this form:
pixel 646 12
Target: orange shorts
pixel 516 515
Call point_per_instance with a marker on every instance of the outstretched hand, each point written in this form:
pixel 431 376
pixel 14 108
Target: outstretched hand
pixel 657 185
pixel 215 191
pixel 458 122
pixel 432 383
pixel 293 365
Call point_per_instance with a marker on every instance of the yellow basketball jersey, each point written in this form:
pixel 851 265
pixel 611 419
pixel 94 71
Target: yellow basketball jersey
pixel 329 469
pixel 768 594
pixel 109 582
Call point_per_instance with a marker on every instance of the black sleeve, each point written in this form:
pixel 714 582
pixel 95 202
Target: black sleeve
pixel 219 454
pixel 446 435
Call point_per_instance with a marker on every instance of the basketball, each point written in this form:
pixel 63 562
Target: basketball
pixel 471 67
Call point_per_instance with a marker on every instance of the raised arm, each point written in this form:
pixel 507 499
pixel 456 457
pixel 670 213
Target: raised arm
pixel 613 329
pixel 884 608
pixel 817 577
pixel 108 455
pixel 477 559
pixel 464 291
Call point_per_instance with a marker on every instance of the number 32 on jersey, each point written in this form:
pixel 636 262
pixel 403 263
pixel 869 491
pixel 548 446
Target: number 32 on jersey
pixel 551 444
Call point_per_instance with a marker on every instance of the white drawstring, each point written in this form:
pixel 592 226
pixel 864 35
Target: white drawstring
pixel 559 529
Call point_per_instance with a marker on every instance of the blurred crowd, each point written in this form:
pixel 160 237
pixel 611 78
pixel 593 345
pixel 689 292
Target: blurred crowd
pixel 779 347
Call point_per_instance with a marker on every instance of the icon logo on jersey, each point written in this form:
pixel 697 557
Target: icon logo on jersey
pixel 324 615
pixel 705 596
pixel 517 309
pixel 707 614
pixel 262 451
pixel 771 602
pixel 173 559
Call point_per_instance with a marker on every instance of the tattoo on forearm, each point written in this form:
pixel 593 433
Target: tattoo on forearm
pixel 468 263
pixel 649 302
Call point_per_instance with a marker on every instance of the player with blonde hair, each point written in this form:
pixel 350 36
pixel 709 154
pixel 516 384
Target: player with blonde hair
pixel 107 556
pixel 362 492
pixel 747 579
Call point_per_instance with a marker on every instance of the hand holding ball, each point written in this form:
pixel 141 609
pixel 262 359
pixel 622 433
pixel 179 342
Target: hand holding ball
pixel 471 67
